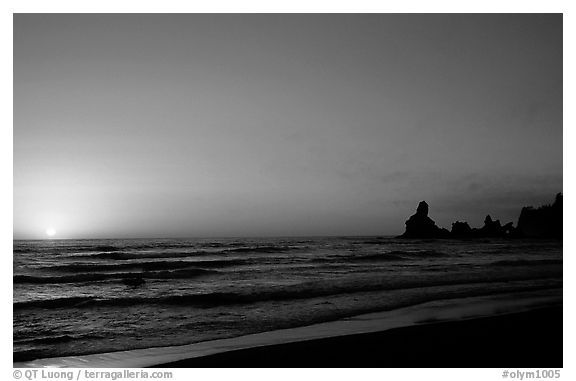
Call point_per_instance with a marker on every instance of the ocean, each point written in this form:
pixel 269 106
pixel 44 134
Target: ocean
pixel 76 297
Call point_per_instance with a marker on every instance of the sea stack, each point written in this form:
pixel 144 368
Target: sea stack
pixel 419 225
pixel 543 222
pixel 461 229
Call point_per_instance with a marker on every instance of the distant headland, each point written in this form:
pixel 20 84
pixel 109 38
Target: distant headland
pixel 542 222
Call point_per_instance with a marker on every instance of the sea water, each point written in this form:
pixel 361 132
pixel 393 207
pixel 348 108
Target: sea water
pixel 74 297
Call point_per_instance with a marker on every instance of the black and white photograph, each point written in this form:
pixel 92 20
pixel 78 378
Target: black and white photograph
pixel 288 190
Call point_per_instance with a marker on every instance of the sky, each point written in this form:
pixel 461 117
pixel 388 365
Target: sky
pixel 200 125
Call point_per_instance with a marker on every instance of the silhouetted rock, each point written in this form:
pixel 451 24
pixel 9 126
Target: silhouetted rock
pixel 419 225
pixel 543 222
pixel 491 228
pixel 444 233
pixel 509 230
pixel 461 229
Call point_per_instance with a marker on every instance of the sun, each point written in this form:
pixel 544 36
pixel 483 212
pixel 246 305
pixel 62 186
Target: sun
pixel 50 232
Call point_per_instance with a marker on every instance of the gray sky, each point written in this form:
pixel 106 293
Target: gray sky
pixel 229 125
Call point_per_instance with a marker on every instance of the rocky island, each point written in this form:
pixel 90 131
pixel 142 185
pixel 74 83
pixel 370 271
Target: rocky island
pixel 542 222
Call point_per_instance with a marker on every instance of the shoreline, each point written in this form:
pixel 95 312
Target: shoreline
pixel 500 341
pixel 446 311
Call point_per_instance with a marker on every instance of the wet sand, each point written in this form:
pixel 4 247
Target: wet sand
pixel 530 339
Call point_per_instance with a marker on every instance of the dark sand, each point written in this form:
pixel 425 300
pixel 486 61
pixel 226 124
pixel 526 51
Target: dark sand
pixel 521 340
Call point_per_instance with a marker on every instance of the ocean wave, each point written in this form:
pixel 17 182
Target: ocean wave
pixel 137 250
pixel 302 291
pixel 143 266
pixel 52 303
pixel 91 277
pixel 125 255
pixel 380 257
pixel 45 340
pixel 48 339
pixel 527 262
pixel 23 250
pixel 260 249
pixel 396 255
pixel 198 300
pixel 66 249
pixel 216 249
pixel 419 254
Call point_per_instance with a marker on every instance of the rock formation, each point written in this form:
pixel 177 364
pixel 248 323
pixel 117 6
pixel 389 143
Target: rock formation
pixel 419 225
pixel 509 229
pixel 491 228
pixel 461 229
pixel 543 222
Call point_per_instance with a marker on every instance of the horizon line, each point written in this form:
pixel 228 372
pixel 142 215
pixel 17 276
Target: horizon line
pixel 214 237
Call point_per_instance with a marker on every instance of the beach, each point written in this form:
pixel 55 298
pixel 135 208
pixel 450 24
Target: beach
pixel 522 340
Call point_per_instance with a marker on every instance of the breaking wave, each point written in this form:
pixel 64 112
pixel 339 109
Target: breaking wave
pixel 91 277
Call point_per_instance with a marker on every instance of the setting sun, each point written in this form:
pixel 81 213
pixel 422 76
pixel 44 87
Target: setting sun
pixel 50 232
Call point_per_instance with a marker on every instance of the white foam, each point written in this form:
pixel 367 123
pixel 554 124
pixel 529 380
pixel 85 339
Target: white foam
pixel 436 311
